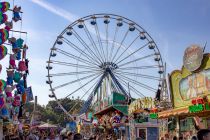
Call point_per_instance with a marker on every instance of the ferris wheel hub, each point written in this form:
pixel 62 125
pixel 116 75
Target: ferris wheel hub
pixel 108 65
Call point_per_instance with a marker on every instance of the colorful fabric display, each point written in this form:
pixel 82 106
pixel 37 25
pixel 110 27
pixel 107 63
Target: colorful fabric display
pixel 4 35
pixel 3 18
pixel 3 51
pixel 2 85
pixel 4 6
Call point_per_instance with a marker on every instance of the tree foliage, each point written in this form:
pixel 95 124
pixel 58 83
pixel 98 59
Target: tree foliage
pixel 53 112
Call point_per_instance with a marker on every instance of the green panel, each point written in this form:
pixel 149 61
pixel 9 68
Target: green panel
pixel 121 108
pixel 118 98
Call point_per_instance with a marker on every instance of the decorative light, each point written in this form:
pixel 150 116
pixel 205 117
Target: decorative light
pixel 119 22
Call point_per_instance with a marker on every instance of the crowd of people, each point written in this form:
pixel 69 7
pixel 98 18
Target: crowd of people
pixel 203 134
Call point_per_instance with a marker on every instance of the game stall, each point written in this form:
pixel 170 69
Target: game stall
pixel 143 119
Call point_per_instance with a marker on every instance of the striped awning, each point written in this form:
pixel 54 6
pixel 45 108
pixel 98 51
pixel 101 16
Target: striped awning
pixel 173 112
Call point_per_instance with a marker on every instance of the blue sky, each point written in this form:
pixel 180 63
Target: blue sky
pixel 174 25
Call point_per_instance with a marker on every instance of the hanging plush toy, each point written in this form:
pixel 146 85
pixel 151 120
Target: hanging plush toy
pixel 10 75
pixel 24 98
pixel 3 18
pixel 17 76
pixel 19 43
pixel 8 25
pixel 8 92
pixel 4 35
pixel 117 117
pixel 22 66
pixel 12 61
pixel 16 101
pixel 3 51
pixel 2 85
pixel 1 100
pixel 4 6
pixel 16 13
pixel 0 68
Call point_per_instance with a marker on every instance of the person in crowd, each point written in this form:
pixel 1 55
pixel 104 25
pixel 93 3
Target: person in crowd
pixel 174 138
pixel 77 136
pixel 69 135
pixel 194 138
pixel 203 134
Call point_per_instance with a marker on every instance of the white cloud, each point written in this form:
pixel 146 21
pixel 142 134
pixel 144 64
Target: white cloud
pixel 56 10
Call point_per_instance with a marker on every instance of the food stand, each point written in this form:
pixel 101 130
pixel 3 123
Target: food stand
pixel 190 94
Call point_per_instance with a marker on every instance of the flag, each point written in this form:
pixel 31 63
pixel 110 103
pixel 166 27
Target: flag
pixel 29 94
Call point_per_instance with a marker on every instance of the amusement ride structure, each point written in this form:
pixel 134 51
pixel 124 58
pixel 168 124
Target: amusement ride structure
pixel 100 54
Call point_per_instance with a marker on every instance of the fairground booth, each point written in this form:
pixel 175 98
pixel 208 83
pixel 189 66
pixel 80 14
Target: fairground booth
pixel 190 95
pixel 143 119
pixel 112 115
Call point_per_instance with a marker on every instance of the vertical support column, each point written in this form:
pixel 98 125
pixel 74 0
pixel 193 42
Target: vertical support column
pixel 177 127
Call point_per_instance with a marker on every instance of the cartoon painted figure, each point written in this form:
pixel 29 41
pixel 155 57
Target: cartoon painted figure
pixel 191 91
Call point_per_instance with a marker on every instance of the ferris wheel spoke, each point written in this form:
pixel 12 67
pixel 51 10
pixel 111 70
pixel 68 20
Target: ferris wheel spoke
pixel 74 81
pixel 120 45
pixel 133 53
pixel 81 87
pixel 73 65
pixel 115 35
pixel 92 42
pixel 140 67
pixel 126 48
pixel 85 44
pixel 140 75
pixel 137 83
pixel 131 87
pixel 107 50
pixel 77 48
pixel 75 57
pixel 141 58
pixel 72 73
pixel 99 41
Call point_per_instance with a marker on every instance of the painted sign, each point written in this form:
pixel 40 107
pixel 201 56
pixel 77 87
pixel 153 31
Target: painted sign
pixel 153 115
pixel 141 104
pixel 195 85
pixel 186 85
pixel 199 107
pixel 193 56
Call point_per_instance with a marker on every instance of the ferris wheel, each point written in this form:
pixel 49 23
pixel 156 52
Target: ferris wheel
pixel 100 54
